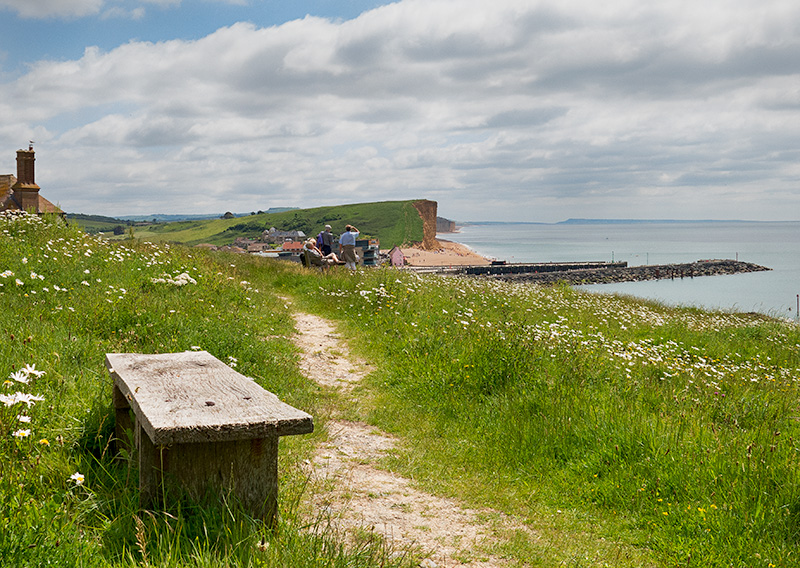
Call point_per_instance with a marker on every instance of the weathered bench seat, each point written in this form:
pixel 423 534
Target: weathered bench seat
pixel 200 422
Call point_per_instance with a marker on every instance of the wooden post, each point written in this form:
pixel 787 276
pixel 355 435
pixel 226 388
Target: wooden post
pixel 149 470
pixel 123 423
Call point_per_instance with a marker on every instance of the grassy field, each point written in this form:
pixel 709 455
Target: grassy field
pixel 98 223
pixel 393 222
pixel 621 432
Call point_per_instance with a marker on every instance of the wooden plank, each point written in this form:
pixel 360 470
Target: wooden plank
pixel 194 397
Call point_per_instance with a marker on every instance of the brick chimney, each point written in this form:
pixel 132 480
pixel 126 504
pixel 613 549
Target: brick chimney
pixel 26 192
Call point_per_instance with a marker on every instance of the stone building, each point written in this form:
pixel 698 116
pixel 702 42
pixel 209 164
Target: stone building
pixel 21 193
pixel 275 236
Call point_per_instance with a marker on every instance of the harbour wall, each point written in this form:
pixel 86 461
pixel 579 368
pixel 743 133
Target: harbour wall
pixel 611 274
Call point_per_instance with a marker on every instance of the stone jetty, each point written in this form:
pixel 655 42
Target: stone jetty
pixel 617 273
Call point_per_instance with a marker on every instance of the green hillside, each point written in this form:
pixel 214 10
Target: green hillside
pixel 98 223
pixel 393 222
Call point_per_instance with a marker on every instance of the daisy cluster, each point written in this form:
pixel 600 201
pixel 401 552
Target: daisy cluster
pixel 37 272
pixel 13 400
pixel 563 333
pixel 178 280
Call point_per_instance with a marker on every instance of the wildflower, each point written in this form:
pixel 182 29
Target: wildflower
pixel 19 282
pixel 32 370
pixel 23 418
pixel 78 478
pixel 6 273
pixel 44 442
pixel 24 260
pixel 22 433
pixel 11 400
pixel 20 377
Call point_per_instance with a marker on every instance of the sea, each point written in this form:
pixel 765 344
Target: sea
pixel 775 245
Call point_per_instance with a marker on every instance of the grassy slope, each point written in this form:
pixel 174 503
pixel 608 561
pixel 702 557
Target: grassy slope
pixel 393 222
pixel 96 223
pixel 621 432
pixel 66 299
pixel 625 433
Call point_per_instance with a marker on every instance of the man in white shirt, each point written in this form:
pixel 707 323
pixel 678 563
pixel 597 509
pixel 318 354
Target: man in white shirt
pixel 347 246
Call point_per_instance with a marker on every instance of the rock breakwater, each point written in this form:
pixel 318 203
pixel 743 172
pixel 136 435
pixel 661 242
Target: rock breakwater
pixel 611 274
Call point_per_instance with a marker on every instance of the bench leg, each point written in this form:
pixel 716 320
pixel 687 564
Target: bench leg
pixel 246 468
pixel 123 424
pixel 149 468
pixel 148 454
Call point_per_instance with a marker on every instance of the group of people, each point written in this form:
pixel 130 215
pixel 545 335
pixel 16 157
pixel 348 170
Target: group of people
pixel 323 255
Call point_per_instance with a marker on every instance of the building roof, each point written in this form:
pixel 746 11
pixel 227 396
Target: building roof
pixel 257 247
pixel 8 203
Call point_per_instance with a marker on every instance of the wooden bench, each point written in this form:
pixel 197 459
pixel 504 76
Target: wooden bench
pixel 200 422
pixel 305 260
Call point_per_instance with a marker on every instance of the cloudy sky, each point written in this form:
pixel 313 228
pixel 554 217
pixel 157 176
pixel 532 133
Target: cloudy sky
pixel 525 110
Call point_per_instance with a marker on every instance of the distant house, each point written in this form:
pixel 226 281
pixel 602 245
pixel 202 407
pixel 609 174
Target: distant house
pixel 396 257
pixel 243 242
pixel 259 247
pixel 293 246
pixel 275 236
pixel 21 193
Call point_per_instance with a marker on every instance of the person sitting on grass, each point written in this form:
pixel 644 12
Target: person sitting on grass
pixel 315 257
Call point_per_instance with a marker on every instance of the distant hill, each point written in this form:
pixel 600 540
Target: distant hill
pixel 637 221
pixel 163 218
pixel 98 223
pixel 393 222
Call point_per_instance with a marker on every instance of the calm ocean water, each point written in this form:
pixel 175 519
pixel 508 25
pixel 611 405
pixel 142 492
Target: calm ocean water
pixel 775 245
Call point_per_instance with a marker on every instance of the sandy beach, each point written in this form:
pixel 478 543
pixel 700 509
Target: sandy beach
pixel 449 254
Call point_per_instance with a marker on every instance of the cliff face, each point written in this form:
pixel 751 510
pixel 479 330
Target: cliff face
pixel 445 225
pixel 427 210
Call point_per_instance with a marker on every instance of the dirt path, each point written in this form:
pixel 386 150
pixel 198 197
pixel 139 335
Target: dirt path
pixel 361 497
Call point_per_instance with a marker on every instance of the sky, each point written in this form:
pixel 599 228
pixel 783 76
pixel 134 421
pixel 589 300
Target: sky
pixel 509 110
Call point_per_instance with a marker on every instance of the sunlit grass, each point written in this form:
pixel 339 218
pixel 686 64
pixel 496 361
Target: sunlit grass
pixel 616 432
pixel 677 428
pixel 66 498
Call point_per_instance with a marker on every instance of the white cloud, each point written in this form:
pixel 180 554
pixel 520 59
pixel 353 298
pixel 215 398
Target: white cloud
pixel 673 107
pixel 118 12
pixel 53 8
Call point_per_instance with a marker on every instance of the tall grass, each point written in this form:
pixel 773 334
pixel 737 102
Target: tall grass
pixel 623 433
pixel 678 428
pixel 66 299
